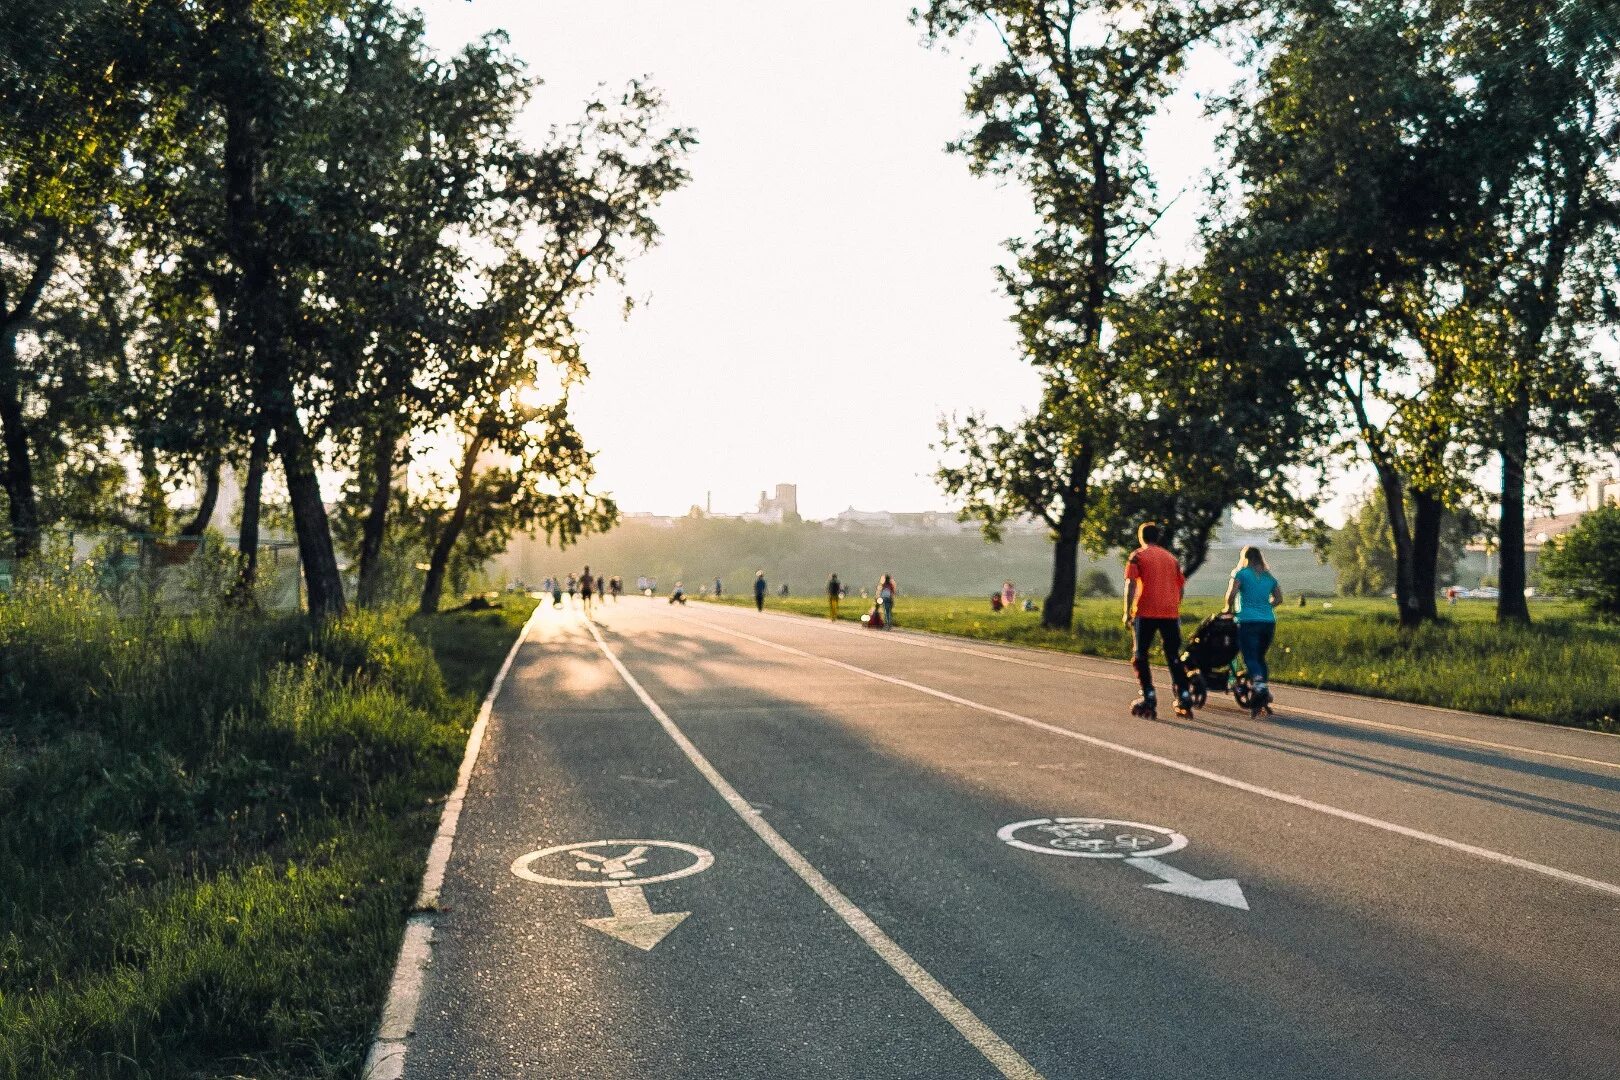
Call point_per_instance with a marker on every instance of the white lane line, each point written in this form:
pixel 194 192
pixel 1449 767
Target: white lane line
pixel 1449 737
pixel 386 1060
pixel 1083 673
pixel 1194 770
pixel 996 1050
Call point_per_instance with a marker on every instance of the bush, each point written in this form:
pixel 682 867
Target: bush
pixel 210 827
pixel 1096 583
pixel 1584 563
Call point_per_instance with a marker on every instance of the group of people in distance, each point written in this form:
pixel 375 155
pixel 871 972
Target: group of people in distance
pixel 587 586
pixel 881 615
pixel 1154 589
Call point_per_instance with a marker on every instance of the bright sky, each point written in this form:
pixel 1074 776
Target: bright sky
pixel 824 291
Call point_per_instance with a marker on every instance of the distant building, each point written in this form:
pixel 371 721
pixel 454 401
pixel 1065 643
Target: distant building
pixel 863 519
pixel 774 511
pixel 1538 531
pixel 930 521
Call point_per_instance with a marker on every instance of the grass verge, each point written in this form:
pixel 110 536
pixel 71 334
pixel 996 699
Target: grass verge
pixel 211 829
pixel 1563 669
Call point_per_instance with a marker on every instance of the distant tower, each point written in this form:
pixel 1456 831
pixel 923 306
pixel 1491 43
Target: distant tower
pixel 708 503
pixel 787 498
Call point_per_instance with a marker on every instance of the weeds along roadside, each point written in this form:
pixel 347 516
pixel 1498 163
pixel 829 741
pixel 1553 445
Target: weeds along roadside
pixel 212 826
pixel 1563 669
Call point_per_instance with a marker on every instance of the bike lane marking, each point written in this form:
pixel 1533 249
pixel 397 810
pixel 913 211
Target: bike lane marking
pixel 914 639
pixel 1008 1061
pixel 1194 770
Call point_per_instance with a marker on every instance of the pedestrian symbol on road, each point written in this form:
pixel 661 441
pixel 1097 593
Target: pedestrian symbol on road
pixel 1131 841
pixel 621 868
pixel 602 864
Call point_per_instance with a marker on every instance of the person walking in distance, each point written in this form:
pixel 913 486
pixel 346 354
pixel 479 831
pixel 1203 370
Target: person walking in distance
pixel 835 592
pixel 885 594
pixel 759 591
pixel 1257 594
pixel 587 585
pixel 1154 585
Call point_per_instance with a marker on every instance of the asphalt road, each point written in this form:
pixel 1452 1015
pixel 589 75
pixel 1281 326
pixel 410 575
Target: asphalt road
pixel 1353 888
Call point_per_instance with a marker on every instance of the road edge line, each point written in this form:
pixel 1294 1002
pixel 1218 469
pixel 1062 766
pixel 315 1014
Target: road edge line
pixel 386 1058
pixel 996 1050
pixel 1407 831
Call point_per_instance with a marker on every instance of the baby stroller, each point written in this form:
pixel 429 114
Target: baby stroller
pixel 1211 660
pixel 873 620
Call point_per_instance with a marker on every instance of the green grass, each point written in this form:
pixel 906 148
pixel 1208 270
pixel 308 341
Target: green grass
pixel 212 827
pixel 1564 669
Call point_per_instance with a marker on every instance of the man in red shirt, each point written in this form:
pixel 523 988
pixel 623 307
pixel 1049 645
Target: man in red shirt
pixel 1154 585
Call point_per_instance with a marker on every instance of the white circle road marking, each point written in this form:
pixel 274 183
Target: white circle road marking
pixel 1092 838
pixel 702 860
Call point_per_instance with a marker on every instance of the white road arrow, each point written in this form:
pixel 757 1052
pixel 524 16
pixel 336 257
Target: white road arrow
pixel 1215 890
pixel 633 921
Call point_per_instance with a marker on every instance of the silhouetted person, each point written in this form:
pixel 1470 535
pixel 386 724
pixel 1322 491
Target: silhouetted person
pixel 759 591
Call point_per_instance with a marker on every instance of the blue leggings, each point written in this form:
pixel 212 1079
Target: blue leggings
pixel 1254 638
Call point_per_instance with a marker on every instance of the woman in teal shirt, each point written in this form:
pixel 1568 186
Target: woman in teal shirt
pixel 1257 593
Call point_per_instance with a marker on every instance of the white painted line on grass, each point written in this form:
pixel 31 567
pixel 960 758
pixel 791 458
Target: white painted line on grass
pixel 915 642
pixel 997 1051
pixel 1194 770
pixel 386 1061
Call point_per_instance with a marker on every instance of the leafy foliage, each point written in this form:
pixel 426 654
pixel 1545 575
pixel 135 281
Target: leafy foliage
pixel 1584 563
pixel 1063 113
pixel 1362 552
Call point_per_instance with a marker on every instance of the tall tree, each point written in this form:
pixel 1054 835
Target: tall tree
pixel 581 208
pixel 68 74
pixel 1357 186
pixel 1546 74
pixel 1063 113
pixel 1225 408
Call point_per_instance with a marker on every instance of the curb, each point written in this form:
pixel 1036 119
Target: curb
pixel 386 1060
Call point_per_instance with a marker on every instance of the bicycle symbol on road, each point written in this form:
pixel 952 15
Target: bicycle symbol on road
pixel 1091 838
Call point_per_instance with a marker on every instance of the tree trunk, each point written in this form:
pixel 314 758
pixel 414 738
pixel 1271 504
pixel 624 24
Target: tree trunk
pixel 1427 517
pixel 19 474
pixel 21 495
pixel 375 527
pixel 206 501
pixel 1058 611
pixel 439 559
pixel 1406 601
pixel 247 541
pixel 322 581
pixel 1511 606
pixel 154 502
